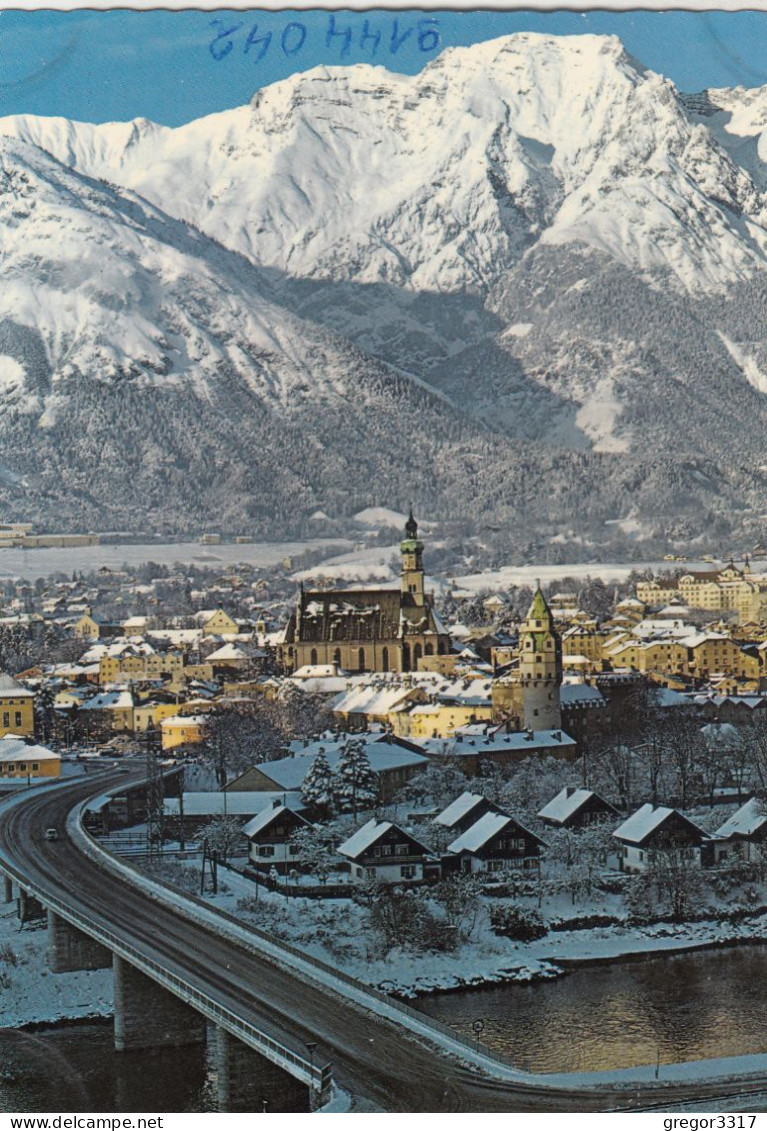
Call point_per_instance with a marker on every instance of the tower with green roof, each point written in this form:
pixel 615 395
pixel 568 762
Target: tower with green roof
pixel 411 576
pixel 540 666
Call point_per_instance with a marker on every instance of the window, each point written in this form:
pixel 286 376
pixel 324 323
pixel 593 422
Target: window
pixel 22 765
pixel 35 765
pixel 385 850
pixel 494 865
pixel 407 871
pixel 6 718
pixel 401 850
pixel 293 849
pixel 266 850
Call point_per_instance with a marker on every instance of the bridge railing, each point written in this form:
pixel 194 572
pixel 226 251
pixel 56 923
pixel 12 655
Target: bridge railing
pixel 308 1073
pixel 424 1021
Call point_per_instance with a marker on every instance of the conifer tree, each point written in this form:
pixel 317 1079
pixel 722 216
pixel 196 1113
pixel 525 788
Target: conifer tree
pixel 318 789
pixel 356 783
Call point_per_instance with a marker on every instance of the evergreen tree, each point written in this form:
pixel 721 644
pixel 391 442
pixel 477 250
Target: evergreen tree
pixel 318 789
pixel 356 783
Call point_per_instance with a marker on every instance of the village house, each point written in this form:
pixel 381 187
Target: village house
pixel 573 808
pixel 270 836
pixel 382 851
pixel 464 812
pixel 495 843
pixel 653 830
pixel 743 835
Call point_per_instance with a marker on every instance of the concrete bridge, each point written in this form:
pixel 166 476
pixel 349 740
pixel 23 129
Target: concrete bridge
pixel 181 968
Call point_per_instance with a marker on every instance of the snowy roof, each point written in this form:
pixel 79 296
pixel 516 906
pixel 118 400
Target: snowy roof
pixel 227 652
pixel 235 802
pixel 579 693
pixel 746 821
pixel 458 809
pixel 180 720
pixel 484 830
pixel 109 701
pixel 496 740
pixel 567 802
pixel 13 749
pixel 363 838
pixel 9 685
pixel 289 773
pixel 647 820
pixel 268 814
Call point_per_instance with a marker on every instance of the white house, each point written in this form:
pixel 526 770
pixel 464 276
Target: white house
pixel 383 851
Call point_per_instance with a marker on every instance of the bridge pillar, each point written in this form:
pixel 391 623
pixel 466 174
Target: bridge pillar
pixel 248 1082
pixel 7 889
pixel 147 1016
pixel 70 949
pixel 28 907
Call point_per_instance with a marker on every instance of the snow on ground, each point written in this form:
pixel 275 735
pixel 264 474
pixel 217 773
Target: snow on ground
pixel 331 930
pixel 373 563
pixel 44 562
pixel 528 574
pixel 29 992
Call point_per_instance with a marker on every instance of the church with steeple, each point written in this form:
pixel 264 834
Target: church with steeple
pixel 368 630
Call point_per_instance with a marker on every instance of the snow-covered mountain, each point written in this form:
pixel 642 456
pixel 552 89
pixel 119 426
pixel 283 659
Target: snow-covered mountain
pixel 535 249
pixel 443 180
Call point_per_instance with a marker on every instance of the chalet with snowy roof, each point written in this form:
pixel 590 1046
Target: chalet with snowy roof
pixel 270 836
pixel 654 829
pixel 383 851
pixel 573 808
pixel 495 843
pixel 743 835
pixel 360 630
pixel 464 812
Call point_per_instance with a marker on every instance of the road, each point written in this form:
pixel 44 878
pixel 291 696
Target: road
pixel 372 1056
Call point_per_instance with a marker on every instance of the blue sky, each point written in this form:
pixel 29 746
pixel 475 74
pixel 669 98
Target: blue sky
pixel 175 66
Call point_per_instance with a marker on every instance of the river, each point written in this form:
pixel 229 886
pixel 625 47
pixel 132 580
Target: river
pixel 688 1007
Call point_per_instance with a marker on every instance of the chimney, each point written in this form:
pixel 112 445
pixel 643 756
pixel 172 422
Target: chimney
pixel 276 803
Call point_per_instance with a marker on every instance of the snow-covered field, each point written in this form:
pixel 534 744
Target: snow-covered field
pixel 30 993
pixel 42 563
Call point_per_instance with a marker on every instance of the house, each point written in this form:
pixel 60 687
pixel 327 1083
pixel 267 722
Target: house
pixel 573 808
pixel 19 759
pixel 182 730
pixel 215 622
pixel 743 835
pixel 496 842
pixel 465 811
pixel 652 830
pixel 383 851
pixel 270 834
pixel 392 762
pixel 17 707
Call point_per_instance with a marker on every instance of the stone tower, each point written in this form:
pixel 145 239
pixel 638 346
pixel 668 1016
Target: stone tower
pixel 540 667
pixel 411 578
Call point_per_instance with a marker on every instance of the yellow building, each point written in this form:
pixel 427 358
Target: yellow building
pixel 182 730
pixel 17 707
pixel 215 622
pixel 131 667
pixel 437 720
pixel 150 715
pixel 19 759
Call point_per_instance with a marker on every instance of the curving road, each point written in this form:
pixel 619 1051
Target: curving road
pixel 372 1056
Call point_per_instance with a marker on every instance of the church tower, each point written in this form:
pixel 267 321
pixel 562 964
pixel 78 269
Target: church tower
pixel 540 667
pixel 411 578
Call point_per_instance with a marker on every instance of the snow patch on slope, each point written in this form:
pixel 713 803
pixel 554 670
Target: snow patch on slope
pixel 748 366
